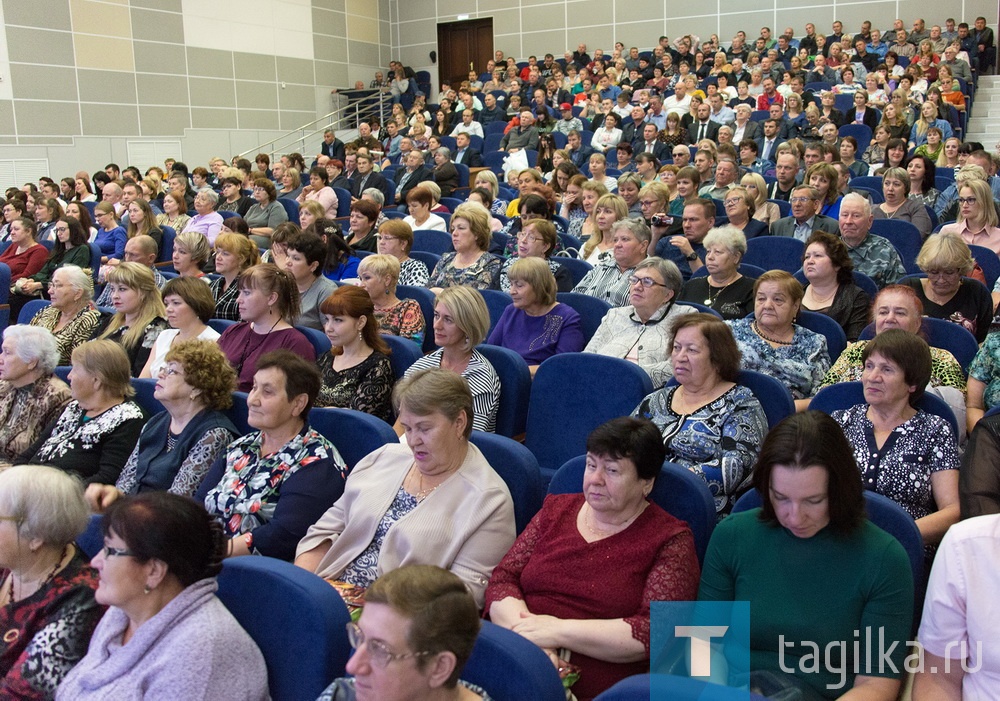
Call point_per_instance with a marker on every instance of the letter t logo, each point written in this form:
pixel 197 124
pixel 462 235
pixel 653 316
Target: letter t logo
pixel 701 646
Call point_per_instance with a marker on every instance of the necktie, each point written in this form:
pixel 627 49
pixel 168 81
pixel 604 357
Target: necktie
pixel 701 131
pixel 767 149
pixel 649 147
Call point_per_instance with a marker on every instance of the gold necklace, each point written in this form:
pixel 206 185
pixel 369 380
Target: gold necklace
pixel 621 527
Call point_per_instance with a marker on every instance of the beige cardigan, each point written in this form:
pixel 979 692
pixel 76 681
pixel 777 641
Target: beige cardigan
pixel 466 525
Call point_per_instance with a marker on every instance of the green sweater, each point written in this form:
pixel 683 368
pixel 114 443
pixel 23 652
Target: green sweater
pixel 818 589
pixel 78 255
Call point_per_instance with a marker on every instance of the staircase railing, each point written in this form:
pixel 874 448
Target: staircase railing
pixel 361 105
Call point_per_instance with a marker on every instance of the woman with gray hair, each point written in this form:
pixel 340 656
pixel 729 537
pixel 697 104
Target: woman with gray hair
pixel 31 397
pixel 445 172
pixel 70 316
pixel 640 332
pixel 49 612
pixel 724 289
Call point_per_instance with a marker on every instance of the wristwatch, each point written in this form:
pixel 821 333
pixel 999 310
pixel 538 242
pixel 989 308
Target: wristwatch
pixel 692 256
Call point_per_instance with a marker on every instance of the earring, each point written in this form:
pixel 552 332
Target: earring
pixel 146 589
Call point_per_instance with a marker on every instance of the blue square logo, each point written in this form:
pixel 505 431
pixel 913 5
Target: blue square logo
pixel 705 641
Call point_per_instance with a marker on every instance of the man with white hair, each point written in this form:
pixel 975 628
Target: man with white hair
pixel 872 255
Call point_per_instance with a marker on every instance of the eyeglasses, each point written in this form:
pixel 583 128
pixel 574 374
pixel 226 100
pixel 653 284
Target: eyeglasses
pixel 966 200
pixel 732 201
pixel 800 200
pixel 65 229
pixel 646 282
pixel 386 238
pixel 524 236
pixel 648 203
pixel 948 272
pixel 169 371
pixel 377 650
pixel 116 552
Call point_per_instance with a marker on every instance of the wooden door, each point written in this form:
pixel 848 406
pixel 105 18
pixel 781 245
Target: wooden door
pixel 461 44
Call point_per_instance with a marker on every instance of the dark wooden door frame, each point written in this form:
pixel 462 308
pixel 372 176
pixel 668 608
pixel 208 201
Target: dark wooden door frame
pixel 462 43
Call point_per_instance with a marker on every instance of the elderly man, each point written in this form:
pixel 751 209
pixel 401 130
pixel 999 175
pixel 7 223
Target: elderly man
pixel 412 174
pixel 367 178
pixel 687 250
pixel 959 68
pixel 112 194
pixel 726 173
pixel 207 221
pixel 743 127
pixel 366 139
pixel 332 147
pixel 524 136
pixel 805 218
pixel 140 249
pixel 872 255
pixel 609 280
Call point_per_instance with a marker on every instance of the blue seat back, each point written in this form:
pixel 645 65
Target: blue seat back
pixel 166 253
pixel 297 620
pixel 221 325
pixel 577 268
pixel 989 262
pixel 844 395
pixel 784 207
pixel 591 310
pixel 291 208
pixel 354 433
pixel 343 202
pixel 91 540
pixel 433 241
pixel 427 258
pixel 775 253
pixel 574 393
pixel 701 308
pixel 861 132
pixel 95 261
pixel 404 353
pixel 904 236
pixel 496 302
pixel 836 339
pixel 238 413
pixel 512 668
pixel 647 687
pixel 518 468
pixel 31 308
pixel 144 387
pixel 515 388
pixel 320 343
pixel 677 490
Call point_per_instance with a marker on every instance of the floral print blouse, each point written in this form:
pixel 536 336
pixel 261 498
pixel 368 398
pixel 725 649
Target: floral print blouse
pixel 800 366
pixel 404 319
pixel 484 274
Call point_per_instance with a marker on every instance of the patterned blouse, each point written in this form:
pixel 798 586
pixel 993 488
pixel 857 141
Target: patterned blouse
pixel 365 387
pixel 404 319
pixel 901 469
pixel 945 370
pixel 985 367
pixel 78 330
pixel 413 272
pixel 342 689
pixel 364 570
pixel 194 467
pixel 26 411
pixel 48 632
pixel 484 274
pixel 718 442
pixel 800 366
pixel 247 495
pixel 483 382
pixel 139 353
pixel 227 302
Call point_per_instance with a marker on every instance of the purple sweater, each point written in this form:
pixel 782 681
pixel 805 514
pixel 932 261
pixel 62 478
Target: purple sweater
pixel 537 338
pixel 243 347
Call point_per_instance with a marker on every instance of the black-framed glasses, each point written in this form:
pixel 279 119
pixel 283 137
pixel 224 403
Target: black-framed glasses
pixel 380 655
pixel 966 200
pixel 116 552
pixel 646 282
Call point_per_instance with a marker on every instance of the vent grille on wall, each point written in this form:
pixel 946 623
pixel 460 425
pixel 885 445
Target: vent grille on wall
pixel 14 172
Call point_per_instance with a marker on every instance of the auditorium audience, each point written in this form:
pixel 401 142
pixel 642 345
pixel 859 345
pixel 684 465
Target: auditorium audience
pixel 70 317
pixel 139 313
pixel 378 275
pixel 189 306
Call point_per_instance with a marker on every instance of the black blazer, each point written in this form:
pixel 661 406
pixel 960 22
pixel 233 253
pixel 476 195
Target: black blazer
pixel 420 175
pixel 660 150
pixel 333 150
pixel 870 118
pixel 374 180
pixel 470 158
pixel 711 131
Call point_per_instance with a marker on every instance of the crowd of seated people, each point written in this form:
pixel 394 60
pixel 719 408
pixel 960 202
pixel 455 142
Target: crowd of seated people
pixel 659 172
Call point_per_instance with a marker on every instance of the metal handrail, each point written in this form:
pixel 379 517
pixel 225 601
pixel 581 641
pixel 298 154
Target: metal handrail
pixel 369 104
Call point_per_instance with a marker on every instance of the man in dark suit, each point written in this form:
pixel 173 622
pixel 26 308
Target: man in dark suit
pixel 412 174
pixel 769 141
pixel 332 147
pixel 650 144
pixel 367 177
pixel 465 153
pixel 703 127
pixel 804 219
pixel 579 152
pixel 743 127
pixel 632 129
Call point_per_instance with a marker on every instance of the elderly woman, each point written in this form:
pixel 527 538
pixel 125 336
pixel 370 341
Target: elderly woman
pixel 362 235
pixel 898 205
pixel 461 322
pixel 266 214
pixel 830 287
pixel 415 607
pixel 763 211
pixel 858 575
pixel 419 201
pixel 48 588
pixel 70 248
pixel 70 316
pixel 740 209
pixel 31 397
pixel 207 221
pixel 139 313
pixel 178 446
pixel 234 254
pixel 319 190
pixel 640 332
pixel 356 370
pixel 382 523
pixel 165 629
pixel 191 252
pixel 774 344
pixel 445 173
pixel 918 468
pixel 899 307
pixel 724 289
pixel 471 264
pixel 538 239
pixel 709 423
pixel 306 256
pixel 600 245
pixel 540 591
pixel 535 325
pixel 24 256
pixel 270 485
pixel 97 431
pixel 189 306
pixel 977 216
pixel 395 238
pixel 378 276
pixel 268 304
pixel 946 293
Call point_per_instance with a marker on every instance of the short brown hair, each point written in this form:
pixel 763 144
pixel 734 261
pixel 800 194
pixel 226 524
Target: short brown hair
pixel 836 249
pixel 268 187
pixel 108 361
pixel 206 369
pixel 301 376
pixel 908 351
pixel 479 222
pixel 724 353
pixel 195 293
pixel 435 390
pixel 400 229
pixel 537 273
